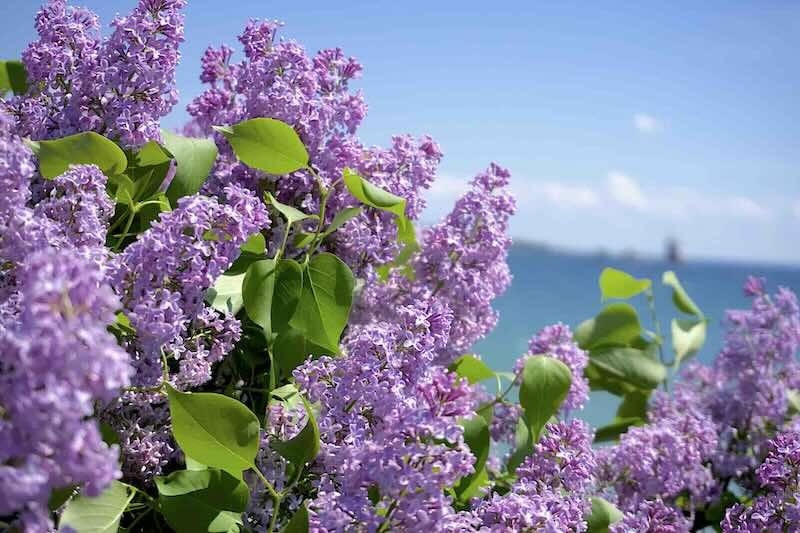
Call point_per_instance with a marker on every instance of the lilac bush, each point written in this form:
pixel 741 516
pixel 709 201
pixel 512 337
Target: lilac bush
pixel 272 345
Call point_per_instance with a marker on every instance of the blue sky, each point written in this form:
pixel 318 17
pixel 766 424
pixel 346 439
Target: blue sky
pixel 623 123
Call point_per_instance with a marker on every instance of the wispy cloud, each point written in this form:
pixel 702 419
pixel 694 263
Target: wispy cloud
pixel 565 196
pixel 646 123
pixel 796 208
pixel 626 191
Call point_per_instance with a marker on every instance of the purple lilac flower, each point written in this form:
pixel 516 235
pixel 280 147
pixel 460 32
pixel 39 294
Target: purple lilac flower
pixel 652 516
pixel 557 341
pixel 551 491
pixel 386 416
pixel 163 276
pixel 284 421
pixel 461 264
pixel 20 233
pixel 78 203
pixel 663 459
pixel 745 390
pixel 778 508
pixel 134 85
pixel 278 79
pixel 56 361
pixel 68 44
pixel 120 86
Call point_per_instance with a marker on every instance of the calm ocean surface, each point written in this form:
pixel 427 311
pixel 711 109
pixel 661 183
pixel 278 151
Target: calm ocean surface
pixel 550 287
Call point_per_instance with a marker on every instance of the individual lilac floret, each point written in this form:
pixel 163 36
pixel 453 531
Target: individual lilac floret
pixel 391 442
pixel 778 508
pixel 551 491
pixel 57 361
pixel 652 517
pixel 556 341
pixel 663 459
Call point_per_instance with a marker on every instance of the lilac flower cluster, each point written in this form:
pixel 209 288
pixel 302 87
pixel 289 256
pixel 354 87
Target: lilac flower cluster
pixel 662 460
pixel 556 341
pixel 777 509
pixel 552 487
pixel 461 264
pixel 57 361
pixel 390 439
pixel 120 86
pixel 163 276
pixel 652 516
pixel 746 390
pixel 161 279
pixel 278 79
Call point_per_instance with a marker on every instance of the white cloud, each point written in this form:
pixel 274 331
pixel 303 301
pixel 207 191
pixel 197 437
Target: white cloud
pixel 796 208
pixel 567 196
pixel 449 186
pixel 646 123
pixel 626 191
pixel 743 206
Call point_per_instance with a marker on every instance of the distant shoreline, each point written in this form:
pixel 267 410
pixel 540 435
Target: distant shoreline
pixel 636 256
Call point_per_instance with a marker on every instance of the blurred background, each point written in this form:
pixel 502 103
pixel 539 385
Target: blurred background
pixel 643 136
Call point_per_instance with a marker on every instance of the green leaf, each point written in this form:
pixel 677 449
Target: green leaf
pixel 88 148
pixel 634 404
pixel 286 295
pixel 545 384
pixel 226 294
pixel 632 366
pixel 257 290
pixel 616 325
pixel 271 293
pixel 214 429
pixel 477 437
pixel 13 77
pixel 303 447
pixel 291 349
pixel 59 497
pixel 303 239
pixel 793 399
pixel 618 284
pixel 688 336
pixel 372 195
pixel 194 157
pixel 680 297
pixel 341 219
pixel 325 301
pixel 299 521
pixel 267 144
pixel 255 245
pixel 152 154
pixel 617 427
pixel 202 500
pixel 292 214
pixel 523 445
pixel 469 486
pixel 100 514
pixel 603 514
pixel 471 368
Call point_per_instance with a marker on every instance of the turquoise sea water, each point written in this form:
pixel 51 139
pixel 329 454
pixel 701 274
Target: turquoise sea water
pixel 550 287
